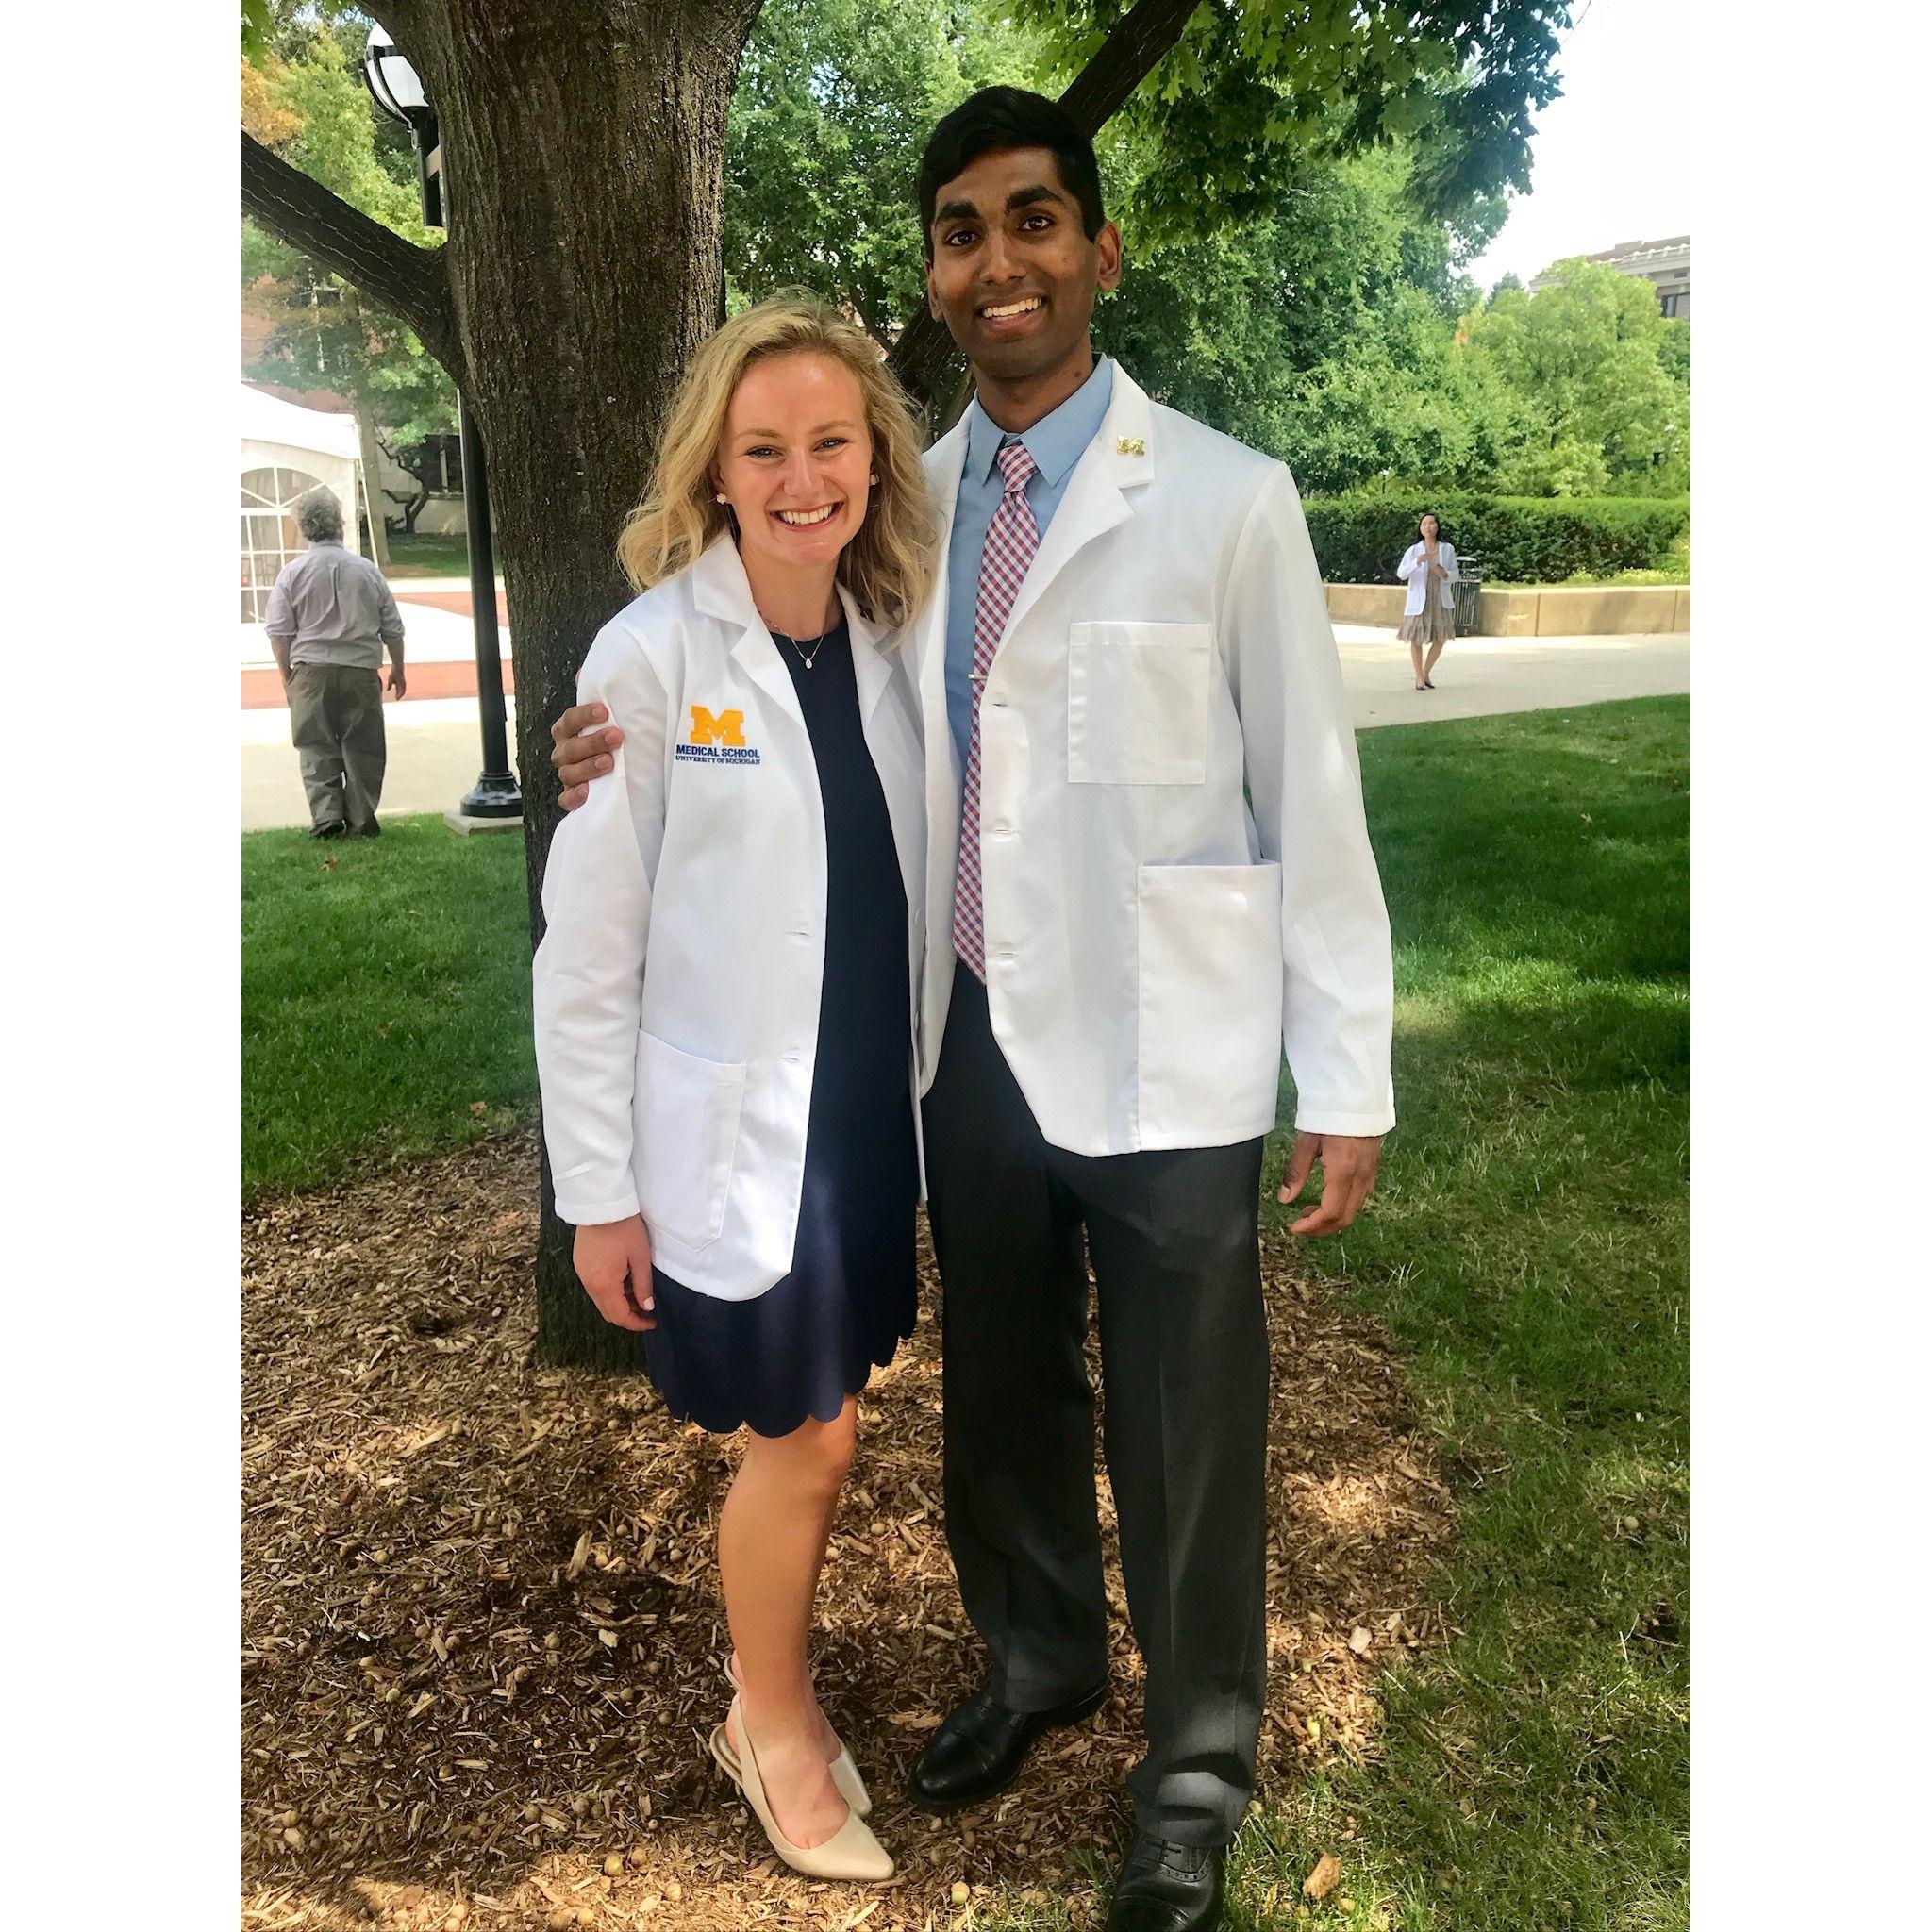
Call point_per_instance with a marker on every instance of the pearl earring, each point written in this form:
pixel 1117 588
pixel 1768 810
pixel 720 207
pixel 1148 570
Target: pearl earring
pixel 722 498
pixel 874 482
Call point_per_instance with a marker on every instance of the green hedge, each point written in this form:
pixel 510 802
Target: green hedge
pixel 1514 540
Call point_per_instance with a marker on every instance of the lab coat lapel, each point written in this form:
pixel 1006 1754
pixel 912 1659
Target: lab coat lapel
pixel 945 463
pixel 721 589
pixel 1119 459
pixel 892 738
pixel 871 669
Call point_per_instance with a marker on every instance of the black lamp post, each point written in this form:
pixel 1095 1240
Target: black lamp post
pixel 398 92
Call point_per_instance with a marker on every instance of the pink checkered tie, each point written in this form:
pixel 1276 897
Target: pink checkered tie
pixel 1011 539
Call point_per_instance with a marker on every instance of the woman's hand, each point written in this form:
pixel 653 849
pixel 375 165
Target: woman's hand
pixel 613 1261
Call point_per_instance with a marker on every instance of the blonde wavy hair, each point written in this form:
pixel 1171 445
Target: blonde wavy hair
pixel 887 566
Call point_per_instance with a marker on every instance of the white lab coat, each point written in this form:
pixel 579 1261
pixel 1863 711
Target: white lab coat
pixel 1152 941
pixel 676 988
pixel 1413 573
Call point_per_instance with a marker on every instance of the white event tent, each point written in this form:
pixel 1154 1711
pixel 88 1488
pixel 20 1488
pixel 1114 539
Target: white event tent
pixel 287 450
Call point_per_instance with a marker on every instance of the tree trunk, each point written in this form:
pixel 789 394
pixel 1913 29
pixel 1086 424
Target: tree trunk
pixel 583 150
pixel 371 487
pixel 412 506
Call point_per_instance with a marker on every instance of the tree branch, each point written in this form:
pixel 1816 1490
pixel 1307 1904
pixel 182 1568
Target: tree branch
pixel 409 281
pixel 1128 55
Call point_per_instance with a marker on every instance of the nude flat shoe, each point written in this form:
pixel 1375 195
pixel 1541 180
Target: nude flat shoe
pixel 845 1778
pixel 851 1853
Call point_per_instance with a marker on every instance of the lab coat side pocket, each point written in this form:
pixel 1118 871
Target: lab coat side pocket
pixel 687 1113
pixel 1210 993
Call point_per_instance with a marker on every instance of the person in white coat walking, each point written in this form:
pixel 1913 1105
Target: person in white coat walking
pixel 1148 871
pixel 1428 612
pixel 724 996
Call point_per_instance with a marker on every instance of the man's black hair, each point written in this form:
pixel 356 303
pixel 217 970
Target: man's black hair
pixel 1002 117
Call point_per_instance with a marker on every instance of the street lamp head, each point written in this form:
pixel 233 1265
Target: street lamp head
pixel 394 81
pixel 398 92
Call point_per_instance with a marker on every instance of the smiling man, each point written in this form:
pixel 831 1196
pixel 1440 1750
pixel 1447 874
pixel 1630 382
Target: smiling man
pixel 1148 873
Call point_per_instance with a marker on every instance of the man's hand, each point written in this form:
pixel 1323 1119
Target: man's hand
pixel 397 684
pixel 613 1261
pixel 1348 1178
pixel 580 752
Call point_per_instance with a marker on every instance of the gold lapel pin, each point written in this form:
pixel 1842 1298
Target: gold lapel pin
pixel 1130 446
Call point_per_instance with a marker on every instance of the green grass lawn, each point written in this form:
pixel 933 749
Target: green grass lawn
pixel 1528 1246
pixel 447 555
pixel 385 997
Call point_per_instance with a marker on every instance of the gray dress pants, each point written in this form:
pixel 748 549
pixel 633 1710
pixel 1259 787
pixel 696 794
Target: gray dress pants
pixel 335 718
pixel 1184 1360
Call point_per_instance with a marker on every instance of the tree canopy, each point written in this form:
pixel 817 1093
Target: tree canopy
pixel 1312 311
pixel 1250 86
pixel 303 98
pixel 1600 379
pixel 1302 294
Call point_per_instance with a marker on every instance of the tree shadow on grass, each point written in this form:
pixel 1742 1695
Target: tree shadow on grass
pixel 1557 837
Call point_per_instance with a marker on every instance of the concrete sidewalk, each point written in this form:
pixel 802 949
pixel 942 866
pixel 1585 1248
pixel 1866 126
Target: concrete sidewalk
pixel 439 650
pixel 1476 676
pixel 435 751
pixel 435 754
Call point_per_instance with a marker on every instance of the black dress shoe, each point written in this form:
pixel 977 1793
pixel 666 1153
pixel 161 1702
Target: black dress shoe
pixel 1165 1887
pixel 329 829
pixel 981 1747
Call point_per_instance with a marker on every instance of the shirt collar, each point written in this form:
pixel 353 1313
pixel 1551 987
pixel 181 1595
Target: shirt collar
pixel 1055 442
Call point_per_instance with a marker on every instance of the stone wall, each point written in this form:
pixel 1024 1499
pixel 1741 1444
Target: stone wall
pixel 1511 611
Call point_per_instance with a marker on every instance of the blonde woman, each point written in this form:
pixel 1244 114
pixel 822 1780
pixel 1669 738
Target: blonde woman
pixel 1428 612
pixel 724 994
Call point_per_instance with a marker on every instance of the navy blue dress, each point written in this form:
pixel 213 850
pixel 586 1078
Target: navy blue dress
pixel 815 1337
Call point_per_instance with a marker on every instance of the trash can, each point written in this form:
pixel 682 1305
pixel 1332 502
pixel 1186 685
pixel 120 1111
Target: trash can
pixel 1468 593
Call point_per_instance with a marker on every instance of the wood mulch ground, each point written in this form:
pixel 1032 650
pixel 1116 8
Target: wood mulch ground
pixel 482 1638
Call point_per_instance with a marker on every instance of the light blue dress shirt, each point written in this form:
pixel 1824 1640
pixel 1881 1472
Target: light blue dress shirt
pixel 1055 443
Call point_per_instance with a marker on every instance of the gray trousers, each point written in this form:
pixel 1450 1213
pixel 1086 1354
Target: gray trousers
pixel 335 717
pixel 1184 1357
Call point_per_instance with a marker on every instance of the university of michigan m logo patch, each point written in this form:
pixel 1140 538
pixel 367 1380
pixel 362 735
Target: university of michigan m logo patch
pixel 721 728
pixel 717 738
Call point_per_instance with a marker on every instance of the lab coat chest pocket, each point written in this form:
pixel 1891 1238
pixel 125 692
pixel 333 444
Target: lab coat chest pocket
pixel 1209 999
pixel 1137 703
pixel 686 1114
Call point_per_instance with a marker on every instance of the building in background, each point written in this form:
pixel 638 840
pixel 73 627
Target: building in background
pixel 1665 264
pixel 287 451
pixel 418 487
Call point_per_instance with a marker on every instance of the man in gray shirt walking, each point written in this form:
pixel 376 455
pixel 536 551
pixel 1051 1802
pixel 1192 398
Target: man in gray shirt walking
pixel 329 616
